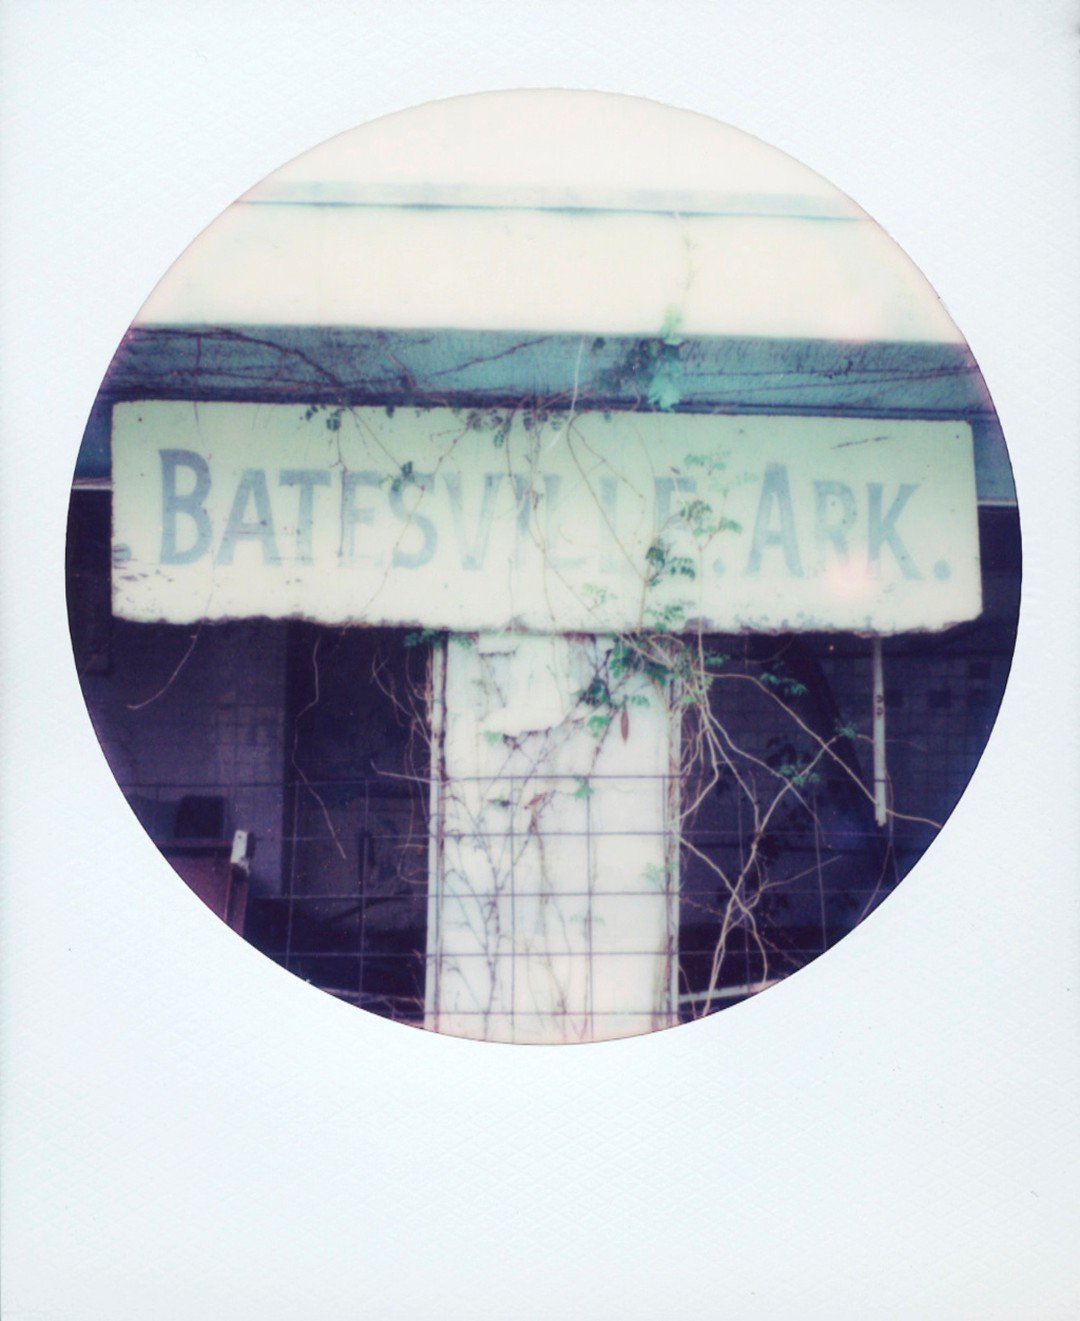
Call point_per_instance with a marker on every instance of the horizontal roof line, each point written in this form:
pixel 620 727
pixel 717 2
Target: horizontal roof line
pixel 330 193
pixel 554 210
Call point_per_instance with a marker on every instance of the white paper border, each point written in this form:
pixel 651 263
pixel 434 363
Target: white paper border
pixel 188 1131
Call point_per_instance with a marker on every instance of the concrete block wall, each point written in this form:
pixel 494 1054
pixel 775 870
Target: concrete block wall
pixel 199 711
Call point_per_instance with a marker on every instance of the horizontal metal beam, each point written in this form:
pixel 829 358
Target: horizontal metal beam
pixel 344 366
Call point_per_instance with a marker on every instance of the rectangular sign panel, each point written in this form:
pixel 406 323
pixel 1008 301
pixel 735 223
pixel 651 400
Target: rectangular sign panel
pixel 491 519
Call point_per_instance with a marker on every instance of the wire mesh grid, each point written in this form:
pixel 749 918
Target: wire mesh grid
pixel 349 910
pixel 299 746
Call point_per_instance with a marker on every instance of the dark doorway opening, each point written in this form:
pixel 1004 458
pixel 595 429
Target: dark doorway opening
pixel 352 914
pixel 822 864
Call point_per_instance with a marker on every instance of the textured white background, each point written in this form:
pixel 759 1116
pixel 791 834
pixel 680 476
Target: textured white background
pixel 188 1131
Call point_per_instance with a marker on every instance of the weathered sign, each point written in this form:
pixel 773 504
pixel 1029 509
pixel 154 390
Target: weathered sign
pixel 473 520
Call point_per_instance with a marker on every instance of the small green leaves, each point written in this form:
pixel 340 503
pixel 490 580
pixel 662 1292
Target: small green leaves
pixel 783 684
pixel 661 563
pixel 405 477
pixel 664 392
pixel 627 658
pixel 332 419
pixel 656 555
pixel 496 421
pixel 595 594
pixel 712 463
pixel 800 776
pixel 652 368
pixel 420 637
pixel 666 618
pixel 669 330
pixel 596 694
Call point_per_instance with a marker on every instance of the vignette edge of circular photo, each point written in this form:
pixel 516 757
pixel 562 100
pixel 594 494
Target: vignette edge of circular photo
pixel 543 566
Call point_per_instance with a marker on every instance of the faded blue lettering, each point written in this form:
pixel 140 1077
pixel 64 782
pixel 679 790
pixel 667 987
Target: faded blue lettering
pixel 473 550
pixel 775 493
pixel 414 559
pixel 252 489
pixel 351 517
pixel 834 517
pixel 553 527
pixel 306 479
pixel 190 503
pixel 883 527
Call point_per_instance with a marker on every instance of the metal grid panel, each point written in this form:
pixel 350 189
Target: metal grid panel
pixel 342 895
pixel 351 914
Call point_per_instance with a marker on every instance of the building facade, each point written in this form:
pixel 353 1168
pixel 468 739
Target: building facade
pixel 580 656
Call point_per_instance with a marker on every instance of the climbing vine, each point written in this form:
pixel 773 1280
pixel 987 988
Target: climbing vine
pixel 666 663
pixel 670 662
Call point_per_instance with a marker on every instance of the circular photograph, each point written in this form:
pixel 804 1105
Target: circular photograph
pixel 542 567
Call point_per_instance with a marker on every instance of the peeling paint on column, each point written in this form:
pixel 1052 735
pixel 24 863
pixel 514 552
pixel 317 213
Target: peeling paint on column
pixel 553 912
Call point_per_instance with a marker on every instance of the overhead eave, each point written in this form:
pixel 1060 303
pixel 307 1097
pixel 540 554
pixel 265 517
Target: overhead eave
pixel 777 266
pixel 344 366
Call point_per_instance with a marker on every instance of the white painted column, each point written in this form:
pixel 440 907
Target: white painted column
pixel 554 892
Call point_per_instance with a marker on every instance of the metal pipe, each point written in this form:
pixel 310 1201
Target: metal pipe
pixel 881 786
